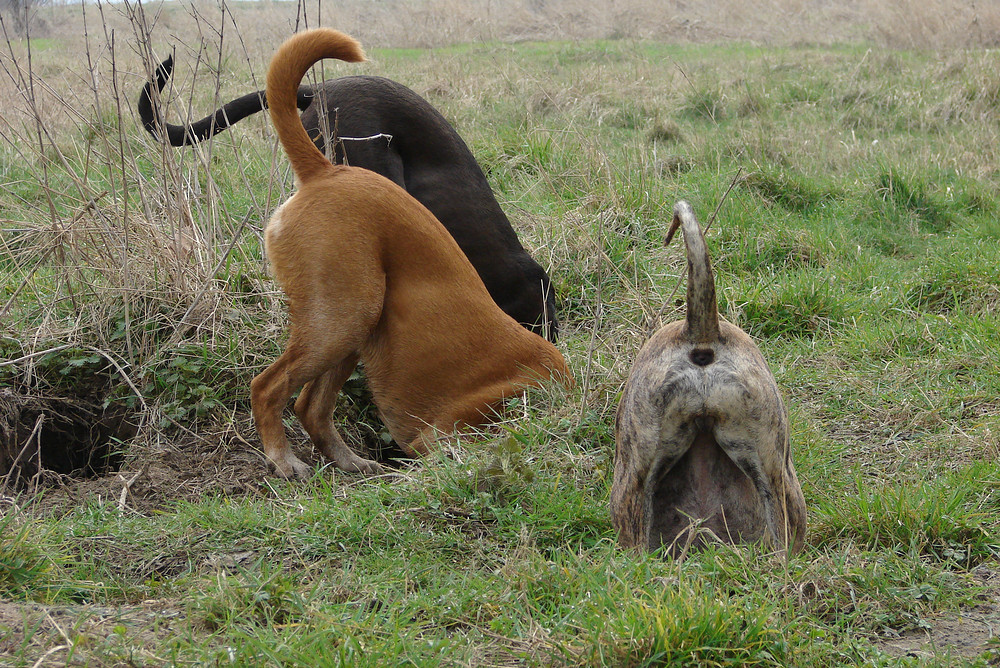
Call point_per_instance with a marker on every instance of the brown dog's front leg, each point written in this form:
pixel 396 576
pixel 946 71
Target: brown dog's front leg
pixel 477 408
pixel 314 407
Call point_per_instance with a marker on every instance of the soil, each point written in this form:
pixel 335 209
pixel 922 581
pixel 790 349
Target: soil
pixel 214 461
pixel 161 467
pixel 955 638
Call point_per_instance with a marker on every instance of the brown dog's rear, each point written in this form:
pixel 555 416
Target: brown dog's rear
pixel 701 431
pixel 371 275
pixel 384 126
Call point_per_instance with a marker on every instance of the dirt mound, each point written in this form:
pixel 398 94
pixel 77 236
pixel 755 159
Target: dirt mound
pixel 160 470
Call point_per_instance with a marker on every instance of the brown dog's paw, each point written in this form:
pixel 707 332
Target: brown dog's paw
pixel 291 467
pixel 349 462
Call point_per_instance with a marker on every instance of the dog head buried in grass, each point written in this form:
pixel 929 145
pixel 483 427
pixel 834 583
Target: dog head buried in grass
pixel 701 436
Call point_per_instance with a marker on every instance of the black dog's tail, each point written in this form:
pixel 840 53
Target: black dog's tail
pixel 197 132
pixel 702 309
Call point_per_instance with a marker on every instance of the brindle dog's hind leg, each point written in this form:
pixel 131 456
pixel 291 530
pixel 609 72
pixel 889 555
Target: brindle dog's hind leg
pixel 742 446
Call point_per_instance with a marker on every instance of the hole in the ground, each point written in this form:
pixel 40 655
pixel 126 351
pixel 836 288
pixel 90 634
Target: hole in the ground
pixel 75 437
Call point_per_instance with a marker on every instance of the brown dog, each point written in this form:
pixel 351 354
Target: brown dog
pixel 701 433
pixel 384 126
pixel 370 274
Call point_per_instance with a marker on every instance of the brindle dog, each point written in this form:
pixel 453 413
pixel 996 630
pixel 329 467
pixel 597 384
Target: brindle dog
pixel 701 433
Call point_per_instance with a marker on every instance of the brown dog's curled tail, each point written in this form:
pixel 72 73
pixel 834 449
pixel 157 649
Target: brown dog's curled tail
pixel 288 66
pixel 702 309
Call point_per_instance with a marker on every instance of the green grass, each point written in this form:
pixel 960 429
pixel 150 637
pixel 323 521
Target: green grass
pixel 858 245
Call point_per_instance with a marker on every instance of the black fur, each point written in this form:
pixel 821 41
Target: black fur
pixel 415 147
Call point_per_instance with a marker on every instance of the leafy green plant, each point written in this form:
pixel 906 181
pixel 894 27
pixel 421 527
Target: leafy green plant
pixel 506 468
pixel 186 385
pixel 66 369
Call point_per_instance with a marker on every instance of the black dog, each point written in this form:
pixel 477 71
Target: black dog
pixel 385 127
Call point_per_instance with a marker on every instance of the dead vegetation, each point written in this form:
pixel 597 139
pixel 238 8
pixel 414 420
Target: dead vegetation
pixel 433 23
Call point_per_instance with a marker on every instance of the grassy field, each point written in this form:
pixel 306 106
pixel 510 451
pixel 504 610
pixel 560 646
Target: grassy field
pixel 857 240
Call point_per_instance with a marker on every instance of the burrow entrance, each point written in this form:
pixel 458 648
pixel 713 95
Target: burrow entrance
pixel 75 437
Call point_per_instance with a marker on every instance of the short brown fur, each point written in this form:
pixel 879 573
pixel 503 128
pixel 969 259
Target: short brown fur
pixel 701 433
pixel 371 275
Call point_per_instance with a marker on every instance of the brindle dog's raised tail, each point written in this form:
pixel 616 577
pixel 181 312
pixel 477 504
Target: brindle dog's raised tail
pixel 702 309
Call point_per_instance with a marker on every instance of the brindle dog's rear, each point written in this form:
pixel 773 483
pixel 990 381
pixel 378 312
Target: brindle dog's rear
pixel 702 443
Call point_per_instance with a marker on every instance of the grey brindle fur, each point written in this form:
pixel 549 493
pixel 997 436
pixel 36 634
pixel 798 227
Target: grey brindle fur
pixel 701 433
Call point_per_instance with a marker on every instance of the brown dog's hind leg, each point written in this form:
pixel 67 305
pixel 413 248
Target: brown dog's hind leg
pixel 314 407
pixel 269 393
pixel 302 362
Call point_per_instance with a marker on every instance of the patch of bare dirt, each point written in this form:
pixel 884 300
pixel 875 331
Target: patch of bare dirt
pixel 76 635
pixel 953 639
pixel 159 471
